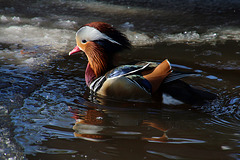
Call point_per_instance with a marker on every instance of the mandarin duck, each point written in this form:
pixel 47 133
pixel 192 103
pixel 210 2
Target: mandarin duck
pixel 144 80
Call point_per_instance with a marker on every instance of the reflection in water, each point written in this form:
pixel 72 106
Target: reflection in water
pixel 102 124
pixel 146 133
pixel 117 129
pixel 89 125
pixel 163 138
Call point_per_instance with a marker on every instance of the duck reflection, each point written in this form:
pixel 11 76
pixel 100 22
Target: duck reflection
pixel 89 124
pixel 96 124
pixel 159 126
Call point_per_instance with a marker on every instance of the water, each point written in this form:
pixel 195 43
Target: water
pixel 47 113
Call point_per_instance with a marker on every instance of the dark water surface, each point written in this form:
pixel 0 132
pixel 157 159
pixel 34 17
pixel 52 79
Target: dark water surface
pixel 47 113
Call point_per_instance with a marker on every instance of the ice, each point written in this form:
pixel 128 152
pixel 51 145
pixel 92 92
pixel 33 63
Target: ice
pixel 211 36
pixel 230 34
pixel 40 45
pixel 59 36
pixel 3 19
pixel 191 36
pixel 16 19
pixel 66 24
pixel 29 35
pixel 38 21
pixel 140 39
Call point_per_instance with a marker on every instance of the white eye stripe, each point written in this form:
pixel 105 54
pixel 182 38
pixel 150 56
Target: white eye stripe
pixel 91 34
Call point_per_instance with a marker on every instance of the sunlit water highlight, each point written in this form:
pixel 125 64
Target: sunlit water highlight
pixel 46 111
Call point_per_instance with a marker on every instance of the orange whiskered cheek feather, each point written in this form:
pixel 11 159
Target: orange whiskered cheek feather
pixel 82 46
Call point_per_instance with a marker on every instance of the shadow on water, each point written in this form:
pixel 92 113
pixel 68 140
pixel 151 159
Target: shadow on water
pixel 46 113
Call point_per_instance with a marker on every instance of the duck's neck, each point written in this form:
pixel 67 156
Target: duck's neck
pixel 99 62
pixel 89 75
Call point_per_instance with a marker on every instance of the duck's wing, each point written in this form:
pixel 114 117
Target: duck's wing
pixel 131 72
pixel 183 92
pixel 175 75
pixel 173 89
pixel 125 70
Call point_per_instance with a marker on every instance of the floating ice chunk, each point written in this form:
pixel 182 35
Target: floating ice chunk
pixel 67 24
pixel 3 18
pixel 37 20
pixel 140 39
pixel 209 36
pixel 16 19
pixel 191 36
pixel 230 34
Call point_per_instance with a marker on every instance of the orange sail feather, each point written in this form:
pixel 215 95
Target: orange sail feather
pixel 157 75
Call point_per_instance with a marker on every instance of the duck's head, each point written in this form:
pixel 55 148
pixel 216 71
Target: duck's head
pixel 100 41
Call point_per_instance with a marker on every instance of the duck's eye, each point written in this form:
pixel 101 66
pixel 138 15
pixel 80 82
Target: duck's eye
pixel 84 41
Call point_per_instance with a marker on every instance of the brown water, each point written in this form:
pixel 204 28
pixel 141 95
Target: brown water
pixel 46 111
